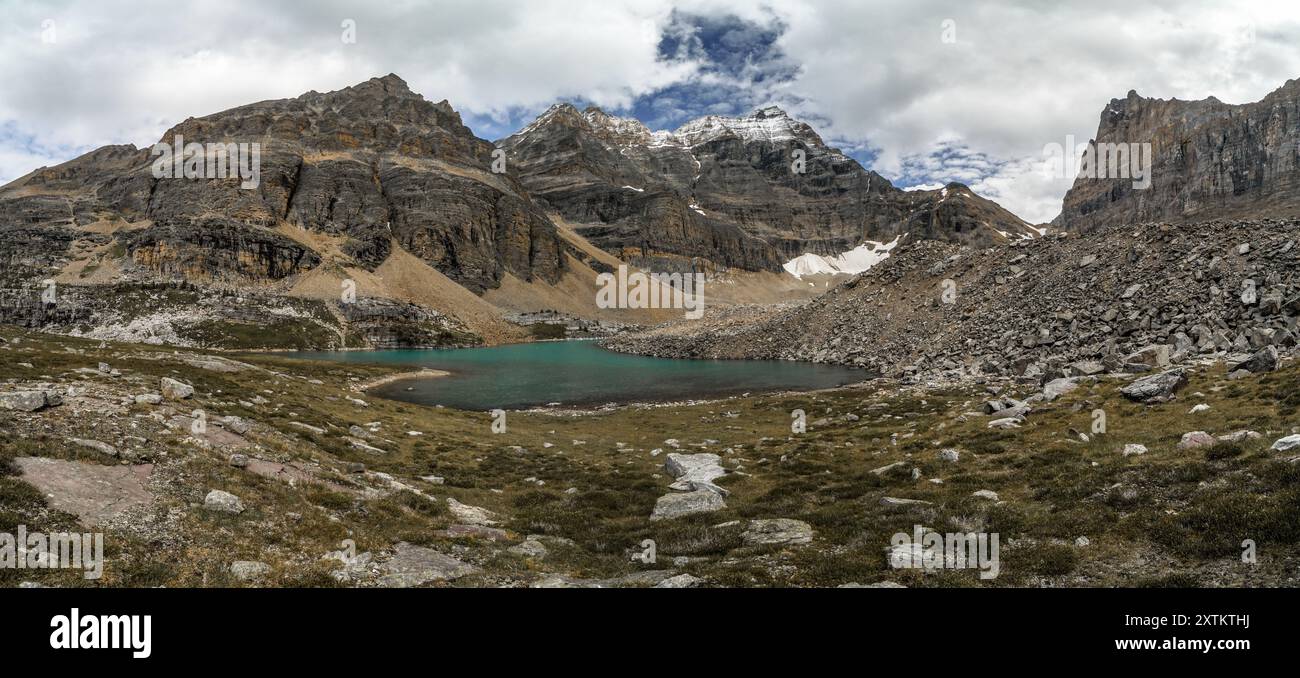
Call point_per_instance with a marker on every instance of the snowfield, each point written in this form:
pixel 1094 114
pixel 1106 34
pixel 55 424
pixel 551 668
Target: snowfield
pixel 857 260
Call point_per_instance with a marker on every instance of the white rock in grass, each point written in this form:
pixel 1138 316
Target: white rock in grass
pixel 1286 444
pixel 687 503
pixel 175 390
pixel 223 502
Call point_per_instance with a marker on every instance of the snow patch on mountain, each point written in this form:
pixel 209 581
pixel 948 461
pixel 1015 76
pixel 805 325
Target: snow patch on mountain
pixel 857 260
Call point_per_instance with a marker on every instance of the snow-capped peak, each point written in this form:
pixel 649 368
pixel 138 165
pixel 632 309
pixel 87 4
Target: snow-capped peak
pixel 770 124
pixel 623 131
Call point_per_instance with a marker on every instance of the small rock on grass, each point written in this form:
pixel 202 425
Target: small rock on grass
pixel 1195 440
pixel 249 570
pixel 102 448
pixel 175 390
pixel 777 531
pixel 223 502
pixel 895 501
pixel 531 548
pixel 681 581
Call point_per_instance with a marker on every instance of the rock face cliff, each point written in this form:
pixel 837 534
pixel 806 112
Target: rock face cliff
pixel 728 191
pixel 1209 160
pixel 361 168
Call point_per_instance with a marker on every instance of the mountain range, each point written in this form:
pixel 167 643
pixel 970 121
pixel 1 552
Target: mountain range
pixel 453 239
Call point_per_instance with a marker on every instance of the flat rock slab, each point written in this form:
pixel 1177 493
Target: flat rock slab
pixel 292 474
pixel 687 503
pixel 778 531
pixel 212 434
pixel 473 532
pixel 92 492
pixel 896 501
pixel 645 579
pixel 695 472
pixel 471 515
pixel 215 363
pixel 415 565
pixel 24 401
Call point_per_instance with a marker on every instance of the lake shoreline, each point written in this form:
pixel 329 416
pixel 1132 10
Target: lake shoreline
pixel 400 376
pixel 574 375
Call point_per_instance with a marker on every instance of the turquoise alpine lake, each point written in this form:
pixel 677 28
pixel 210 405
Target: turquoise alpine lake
pixel 579 373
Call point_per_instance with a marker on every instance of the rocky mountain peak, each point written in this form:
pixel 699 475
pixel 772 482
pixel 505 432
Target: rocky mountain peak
pixel 388 84
pixel 771 112
pixel 770 124
pixel 374 166
pixel 620 131
pixel 721 188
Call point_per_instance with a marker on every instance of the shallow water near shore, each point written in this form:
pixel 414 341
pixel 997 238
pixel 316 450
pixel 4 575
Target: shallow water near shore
pixel 574 373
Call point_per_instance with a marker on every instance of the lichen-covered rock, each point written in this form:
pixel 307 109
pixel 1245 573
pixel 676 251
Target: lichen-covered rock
pixel 777 531
pixel 23 401
pixel 680 504
pixel 223 502
pixel 413 566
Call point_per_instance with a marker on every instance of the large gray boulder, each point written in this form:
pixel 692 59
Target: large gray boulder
pixel 175 390
pixel 23 401
pixel 1157 388
pixel 1264 360
pixel 1287 444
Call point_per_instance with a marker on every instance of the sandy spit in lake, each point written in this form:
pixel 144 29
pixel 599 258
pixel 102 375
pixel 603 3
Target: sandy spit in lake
pixel 400 376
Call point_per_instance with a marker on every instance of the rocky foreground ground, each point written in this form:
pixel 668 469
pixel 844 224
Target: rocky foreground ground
pixel 208 469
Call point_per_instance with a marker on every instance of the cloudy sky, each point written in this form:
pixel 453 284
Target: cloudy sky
pixel 922 91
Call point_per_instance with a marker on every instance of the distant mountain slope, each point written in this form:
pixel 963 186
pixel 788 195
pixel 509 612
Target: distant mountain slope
pixel 1209 160
pixel 374 186
pixel 724 189
pixel 370 164
pixel 1043 308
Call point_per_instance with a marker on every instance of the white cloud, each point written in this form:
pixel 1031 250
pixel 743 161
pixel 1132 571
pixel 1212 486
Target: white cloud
pixel 874 74
pixel 1023 74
